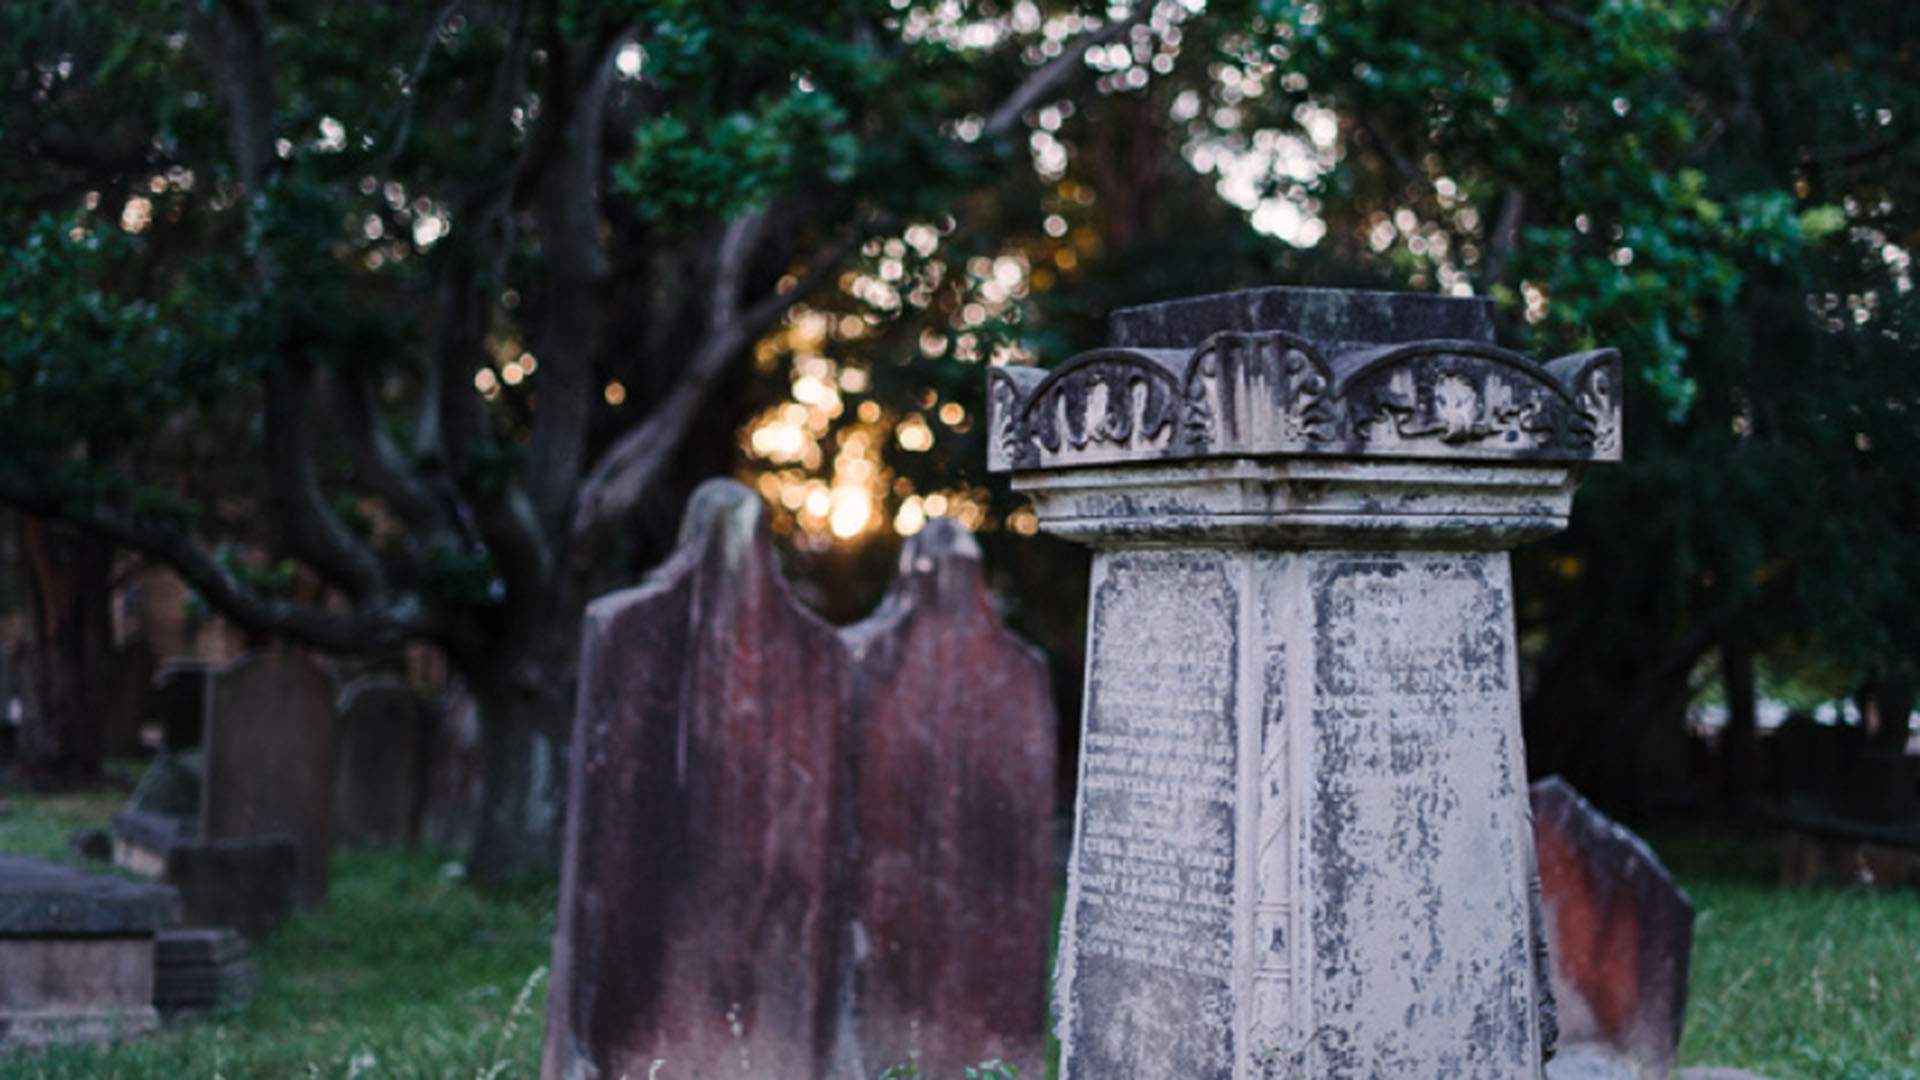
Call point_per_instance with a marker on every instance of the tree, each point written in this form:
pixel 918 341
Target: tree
pixel 387 325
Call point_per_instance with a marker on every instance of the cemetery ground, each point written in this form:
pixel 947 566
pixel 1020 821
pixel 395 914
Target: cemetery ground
pixel 410 971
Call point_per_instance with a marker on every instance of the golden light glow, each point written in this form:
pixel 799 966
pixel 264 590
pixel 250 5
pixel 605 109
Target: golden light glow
pixel 616 393
pixel 485 382
pixel 914 435
pixel 513 373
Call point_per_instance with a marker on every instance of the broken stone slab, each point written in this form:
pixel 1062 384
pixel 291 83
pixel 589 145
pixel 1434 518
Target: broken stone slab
pixel 702 889
pixel 201 969
pixel 1302 842
pixel 955 739
pixel 1621 936
pixel 269 760
pixel 76 953
pixel 381 759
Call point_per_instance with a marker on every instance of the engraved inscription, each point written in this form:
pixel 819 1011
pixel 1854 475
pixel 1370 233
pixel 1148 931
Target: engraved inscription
pixel 1419 876
pixel 1153 873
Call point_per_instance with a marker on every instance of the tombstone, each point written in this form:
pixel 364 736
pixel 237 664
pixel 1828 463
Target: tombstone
pixel 269 761
pixel 953 810
pixel 380 763
pixel 162 812
pixel 1621 933
pixel 456 772
pixel 76 953
pixel 126 699
pixel 700 901
pixel 178 702
pixel 1302 842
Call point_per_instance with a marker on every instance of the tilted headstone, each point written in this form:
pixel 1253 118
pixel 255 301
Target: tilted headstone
pixel 456 772
pixel 701 897
pixel 1302 842
pixel 380 762
pixel 1621 934
pixel 76 953
pixel 269 760
pixel 955 742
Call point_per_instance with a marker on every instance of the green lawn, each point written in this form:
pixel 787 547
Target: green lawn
pixel 1795 983
pixel 410 972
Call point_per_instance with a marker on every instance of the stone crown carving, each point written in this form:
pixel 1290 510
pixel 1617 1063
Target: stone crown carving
pixel 1277 393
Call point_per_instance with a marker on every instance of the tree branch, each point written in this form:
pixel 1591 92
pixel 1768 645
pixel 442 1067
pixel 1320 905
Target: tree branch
pixel 574 308
pixel 1049 77
pixel 375 624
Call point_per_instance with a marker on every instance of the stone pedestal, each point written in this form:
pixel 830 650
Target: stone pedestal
pixel 76 953
pixel 1302 845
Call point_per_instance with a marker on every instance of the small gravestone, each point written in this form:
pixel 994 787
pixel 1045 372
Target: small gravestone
pixel 955 741
pixel 178 701
pixel 76 953
pixel 456 772
pixel 1301 844
pixel 1621 935
pixel 162 813
pixel 269 761
pixel 380 769
pixel 701 902
pixel 125 704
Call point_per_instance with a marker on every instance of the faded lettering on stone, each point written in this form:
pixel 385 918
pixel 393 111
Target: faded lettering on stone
pixel 1418 811
pixel 1154 883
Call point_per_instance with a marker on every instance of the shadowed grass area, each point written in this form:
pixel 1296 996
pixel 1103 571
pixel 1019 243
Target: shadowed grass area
pixel 1791 983
pixel 410 972
pixel 407 972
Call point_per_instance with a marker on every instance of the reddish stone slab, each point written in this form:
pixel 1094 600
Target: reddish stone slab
pixel 955 741
pixel 380 763
pixel 1619 929
pixel 269 760
pixel 699 907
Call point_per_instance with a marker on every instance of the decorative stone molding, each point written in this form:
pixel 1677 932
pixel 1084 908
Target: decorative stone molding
pixel 1245 394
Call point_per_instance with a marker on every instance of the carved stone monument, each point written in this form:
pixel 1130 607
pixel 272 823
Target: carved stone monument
pixel 1302 844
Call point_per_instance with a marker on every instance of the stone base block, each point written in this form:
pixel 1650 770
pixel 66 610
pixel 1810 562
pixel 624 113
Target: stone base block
pixel 78 989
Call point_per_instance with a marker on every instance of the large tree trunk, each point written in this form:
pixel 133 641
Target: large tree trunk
pixel 1739 740
pixel 524 688
pixel 70 634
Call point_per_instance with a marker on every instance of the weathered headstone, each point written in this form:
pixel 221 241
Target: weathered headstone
pixel 125 701
pixel 178 701
pixel 456 770
pixel 380 762
pixel 953 807
pixel 269 761
pixel 1302 844
pixel 1621 933
pixel 162 812
pixel 700 897
pixel 76 953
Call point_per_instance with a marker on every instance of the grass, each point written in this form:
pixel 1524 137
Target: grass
pixel 410 972
pixel 1791 983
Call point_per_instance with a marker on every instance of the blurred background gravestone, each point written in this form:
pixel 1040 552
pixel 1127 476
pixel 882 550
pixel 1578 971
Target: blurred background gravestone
pixel 76 953
pixel 383 735
pixel 455 773
pixel 954 736
pixel 1621 937
pixel 269 761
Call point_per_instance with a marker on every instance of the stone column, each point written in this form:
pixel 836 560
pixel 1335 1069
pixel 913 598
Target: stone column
pixel 1302 845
